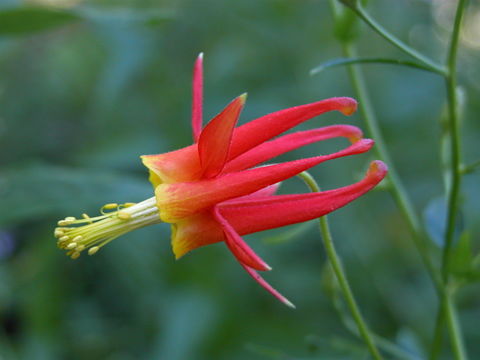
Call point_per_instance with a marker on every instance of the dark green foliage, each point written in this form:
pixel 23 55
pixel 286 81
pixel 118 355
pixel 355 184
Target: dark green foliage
pixel 85 90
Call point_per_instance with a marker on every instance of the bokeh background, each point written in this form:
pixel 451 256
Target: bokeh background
pixel 88 86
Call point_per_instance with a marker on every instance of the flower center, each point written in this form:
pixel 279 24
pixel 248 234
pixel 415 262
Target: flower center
pixel 76 235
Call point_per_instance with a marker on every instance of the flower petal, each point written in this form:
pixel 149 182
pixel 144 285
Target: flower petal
pixel 239 248
pixel 252 215
pixel 255 132
pixel 283 144
pixel 267 286
pixel 176 201
pixel 266 191
pixel 195 231
pixel 183 165
pixel 197 97
pixel 215 139
pixel 175 166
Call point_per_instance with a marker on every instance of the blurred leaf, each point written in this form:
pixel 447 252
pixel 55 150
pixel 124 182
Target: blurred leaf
pixel 27 20
pixel 350 3
pixel 181 336
pixel 462 255
pixel 462 263
pixel 339 346
pixel 44 190
pixel 268 352
pixel 410 343
pixel 147 17
pixel 435 216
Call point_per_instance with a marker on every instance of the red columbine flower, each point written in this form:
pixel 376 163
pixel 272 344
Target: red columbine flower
pixel 213 191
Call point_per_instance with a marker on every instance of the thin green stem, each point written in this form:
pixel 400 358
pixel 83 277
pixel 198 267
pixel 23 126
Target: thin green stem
pixel 447 307
pixel 454 134
pixel 365 16
pixel 470 168
pixel 341 276
pixel 454 329
pixel 436 346
pixel 396 187
pixel 373 60
pixel 446 310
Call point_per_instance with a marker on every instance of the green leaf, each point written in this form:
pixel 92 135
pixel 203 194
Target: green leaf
pixel 367 60
pixel 146 17
pixel 350 3
pixel 461 259
pixel 26 20
pixel 463 264
pixel 36 191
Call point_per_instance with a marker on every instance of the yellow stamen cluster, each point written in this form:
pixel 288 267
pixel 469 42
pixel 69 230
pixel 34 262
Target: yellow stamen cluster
pixel 76 235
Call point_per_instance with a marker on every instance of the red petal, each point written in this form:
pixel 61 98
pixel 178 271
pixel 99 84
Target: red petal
pixel 265 192
pixel 252 215
pixel 281 145
pixel 267 286
pixel 197 97
pixel 264 128
pixel 181 165
pixel 244 253
pixel 176 201
pixel 215 139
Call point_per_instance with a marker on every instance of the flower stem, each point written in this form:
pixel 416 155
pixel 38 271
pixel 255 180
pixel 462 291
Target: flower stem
pixel 454 133
pixel 365 16
pixel 396 187
pixel 447 308
pixel 340 274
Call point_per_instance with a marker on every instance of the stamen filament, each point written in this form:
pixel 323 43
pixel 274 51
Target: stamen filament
pixel 77 235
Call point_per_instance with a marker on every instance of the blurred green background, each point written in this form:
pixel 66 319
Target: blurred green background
pixel 88 86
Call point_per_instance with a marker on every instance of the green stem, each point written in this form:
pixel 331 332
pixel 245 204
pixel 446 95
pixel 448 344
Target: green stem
pixel 396 187
pixel 436 346
pixel 454 133
pixel 447 307
pixel 372 60
pixel 470 168
pixel 454 329
pixel 363 14
pixel 341 276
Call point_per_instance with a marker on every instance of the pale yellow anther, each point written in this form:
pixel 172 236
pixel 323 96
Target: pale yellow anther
pixel 110 206
pixel 124 215
pixel 64 223
pixel 70 218
pixel 58 233
pixel 77 238
pixel 93 250
pixel 72 245
pixel 80 248
pixel 64 238
pixel 86 217
pixel 75 255
pixel 128 204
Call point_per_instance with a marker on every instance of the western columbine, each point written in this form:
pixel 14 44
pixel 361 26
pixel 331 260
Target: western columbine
pixel 211 191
